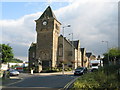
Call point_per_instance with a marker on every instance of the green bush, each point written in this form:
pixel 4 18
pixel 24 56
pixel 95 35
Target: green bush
pixel 104 78
pixel 49 70
pixel 69 69
pixel 86 82
pixel 66 69
pixel 55 69
pixel 60 69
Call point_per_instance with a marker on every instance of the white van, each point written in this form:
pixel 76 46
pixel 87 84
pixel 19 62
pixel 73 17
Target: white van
pixel 95 64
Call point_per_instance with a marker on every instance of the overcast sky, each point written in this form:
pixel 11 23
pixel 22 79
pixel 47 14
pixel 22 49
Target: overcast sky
pixel 91 22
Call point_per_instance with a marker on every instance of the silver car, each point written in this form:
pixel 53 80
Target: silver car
pixel 13 72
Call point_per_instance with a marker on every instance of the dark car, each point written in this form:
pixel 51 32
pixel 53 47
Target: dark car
pixel 80 71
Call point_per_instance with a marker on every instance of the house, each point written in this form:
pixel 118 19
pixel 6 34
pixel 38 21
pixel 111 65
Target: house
pixel 84 58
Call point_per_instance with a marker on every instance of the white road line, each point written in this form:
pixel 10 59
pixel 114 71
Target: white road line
pixel 68 85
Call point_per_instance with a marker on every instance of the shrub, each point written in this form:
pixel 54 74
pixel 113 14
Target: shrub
pixel 104 78
pixel 69 69
pixel 66 69
pixel 86 82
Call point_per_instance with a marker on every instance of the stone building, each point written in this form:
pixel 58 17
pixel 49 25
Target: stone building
pixel 84 58
pixel 72 54
pixel 47 52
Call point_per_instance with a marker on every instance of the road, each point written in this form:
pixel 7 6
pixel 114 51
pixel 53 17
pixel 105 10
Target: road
pixel 40 82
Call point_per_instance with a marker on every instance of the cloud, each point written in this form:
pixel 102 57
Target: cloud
pixel 19 33
pixel 91 22
pixel 21 30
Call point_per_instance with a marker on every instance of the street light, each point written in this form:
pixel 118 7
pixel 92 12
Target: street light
pixel 72 46
pixel 63 45
pixel 107 49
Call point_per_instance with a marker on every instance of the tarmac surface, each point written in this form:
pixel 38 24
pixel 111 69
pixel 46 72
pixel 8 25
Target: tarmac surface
pixel 15 79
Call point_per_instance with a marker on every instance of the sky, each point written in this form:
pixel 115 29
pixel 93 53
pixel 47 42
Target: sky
pixel 92 21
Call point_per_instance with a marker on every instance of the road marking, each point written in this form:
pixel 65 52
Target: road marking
pixel 71 82
pixel 29 76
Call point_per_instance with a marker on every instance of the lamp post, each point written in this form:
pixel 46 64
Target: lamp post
pixel 72 46
pixel 107 49
pixel 63 47
pixel 108 57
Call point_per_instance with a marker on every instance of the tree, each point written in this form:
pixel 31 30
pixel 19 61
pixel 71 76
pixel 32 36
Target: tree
pixel 114 55
pixel 15 60
pixel 6 53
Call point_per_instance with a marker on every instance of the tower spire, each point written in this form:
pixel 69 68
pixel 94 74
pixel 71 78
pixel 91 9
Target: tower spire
pixel 48 13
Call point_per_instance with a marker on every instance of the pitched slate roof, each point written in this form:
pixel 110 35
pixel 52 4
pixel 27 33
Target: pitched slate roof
pixel 48 13
pixel 82 50
pixel 75 43
pixel 67 40
pixel 88 54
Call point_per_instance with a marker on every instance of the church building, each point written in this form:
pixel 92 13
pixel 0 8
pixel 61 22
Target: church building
pixel 47 52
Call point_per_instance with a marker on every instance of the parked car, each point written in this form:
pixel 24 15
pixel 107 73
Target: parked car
pixel 80 71
pixel 13 72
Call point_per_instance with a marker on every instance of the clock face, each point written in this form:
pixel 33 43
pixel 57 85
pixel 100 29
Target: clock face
pixel 44 23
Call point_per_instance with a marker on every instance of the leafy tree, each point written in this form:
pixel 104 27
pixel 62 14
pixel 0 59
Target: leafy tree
pixel 6 53
pixel 114 55
pixel 15 60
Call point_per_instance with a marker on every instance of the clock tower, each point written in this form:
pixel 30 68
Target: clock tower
pixel 48 29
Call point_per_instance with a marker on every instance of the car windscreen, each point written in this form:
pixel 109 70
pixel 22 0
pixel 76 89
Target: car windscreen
pixel 95 64
pixel 14 71
pixel 78 69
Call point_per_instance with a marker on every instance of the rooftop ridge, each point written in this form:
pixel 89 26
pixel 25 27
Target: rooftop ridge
pixel 48 13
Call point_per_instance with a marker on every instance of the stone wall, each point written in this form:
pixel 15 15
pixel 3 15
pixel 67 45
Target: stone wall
pixel 70 53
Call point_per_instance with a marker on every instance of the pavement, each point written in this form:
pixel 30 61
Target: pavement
pixel 15 79
pixel 55 73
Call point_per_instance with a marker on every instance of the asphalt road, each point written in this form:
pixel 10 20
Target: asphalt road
pixel 42 82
